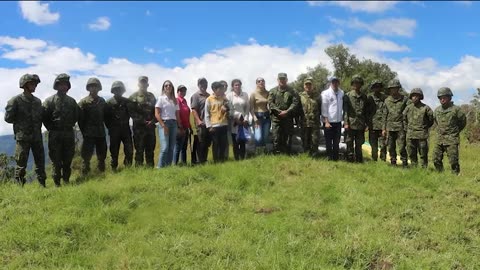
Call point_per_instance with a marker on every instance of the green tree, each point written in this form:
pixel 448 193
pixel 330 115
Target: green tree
pixel 319 75
pixel 7 167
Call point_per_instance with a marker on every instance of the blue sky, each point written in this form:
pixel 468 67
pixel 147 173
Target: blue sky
pixel 429 44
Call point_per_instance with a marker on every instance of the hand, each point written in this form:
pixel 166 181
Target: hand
pixel 346 126
pixel 257 124
pixel 149 123
pixel 199 123
pixel 181 132
pixel 282 114
pixel 224 109
pixel 366 129
pixel 211 130
pixel 327 125
pixel 165 130
pixel 384 133
pixel 245 123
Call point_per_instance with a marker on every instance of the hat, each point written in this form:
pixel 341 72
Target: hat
pixel 143 78
pixel 200 80
pixel 308 80
pixel 333 78
pixel 282 75
pixel 180 87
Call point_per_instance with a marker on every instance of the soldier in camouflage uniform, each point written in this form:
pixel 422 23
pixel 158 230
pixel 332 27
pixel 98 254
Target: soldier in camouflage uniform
pixel 393 126
pixel 282 101
pixel 24 111
pixel 310 118
pixel 91 123
pixel 450 122
pixel 418 119
pixel 376 105
pixel 142 111
pixel 117 120
pixel 60 113
pixel 355 119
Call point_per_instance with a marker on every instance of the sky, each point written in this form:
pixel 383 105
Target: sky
pixel 429 44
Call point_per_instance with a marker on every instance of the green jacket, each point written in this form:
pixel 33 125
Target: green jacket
pixel 117 116
pixel 92 117
pixel 283 100
pixel 355 110
pixel 376 110
pixel 450 122
pixel 393 120
pixel 25 113
pixel 311 110
pixel 60 112
pixel 418 119
pixel 142 108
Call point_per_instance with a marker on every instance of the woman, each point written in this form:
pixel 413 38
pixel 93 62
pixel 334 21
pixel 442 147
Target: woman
pixel 260 114
pixel 239 114
pixel 180 149
pixel 167 115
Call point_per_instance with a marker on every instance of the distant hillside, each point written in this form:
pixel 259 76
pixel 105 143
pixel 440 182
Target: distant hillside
pixel 7 145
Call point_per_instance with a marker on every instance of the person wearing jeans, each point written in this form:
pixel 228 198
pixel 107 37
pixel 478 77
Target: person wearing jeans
pixel 260 114
pixel 167 115
pixel 180 149
pixel 238 101
pixel 332 114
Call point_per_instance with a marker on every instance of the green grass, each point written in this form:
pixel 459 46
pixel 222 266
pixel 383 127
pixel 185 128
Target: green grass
pixel 262 213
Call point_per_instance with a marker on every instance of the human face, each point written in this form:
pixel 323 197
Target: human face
pixel 143 85
pixel 203 86
pixel 356 86
pixel 308 88
pixel 415 98
pixel 376 89
pixel 168 88
pixel 261 83
pixel 225 86
pixel 444 100
pixel 282 82
pixel 219 91
pixel 93 89
pixel 335 84
pixel 237 87
pixel 394 91
pixel 182 92
pixel 31 86
pixel 62 87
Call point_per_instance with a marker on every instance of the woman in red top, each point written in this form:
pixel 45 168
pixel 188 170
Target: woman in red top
pixel 180 149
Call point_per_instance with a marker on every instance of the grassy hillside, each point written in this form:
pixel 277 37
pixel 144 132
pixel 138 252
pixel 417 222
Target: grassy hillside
pixel 263 213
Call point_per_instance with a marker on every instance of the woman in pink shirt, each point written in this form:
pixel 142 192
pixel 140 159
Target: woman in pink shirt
pixel 180 150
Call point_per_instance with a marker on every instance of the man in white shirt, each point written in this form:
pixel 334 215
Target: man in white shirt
pixel 332 116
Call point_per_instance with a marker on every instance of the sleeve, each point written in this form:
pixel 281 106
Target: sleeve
pixel 247 108
pixel 81 118
pixel 207 113
pixel 251 104
pixel 430 119
pixel 271 103
pixel 462 119
pixel 10 111
pixel 47 115
pixel 385 116
pixel 405 117
pixel 295 103
pixel 346 109
pixel 324 106
pixel 108 115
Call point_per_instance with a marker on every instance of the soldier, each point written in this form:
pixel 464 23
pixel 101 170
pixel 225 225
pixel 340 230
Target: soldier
pixel 283 103
pixel 60 113
pixel 418 119
pixel 376 104
pixel 203 137
pixel 450 122
pixel 91 123
pixel 393 126
pixel 117 120
pixel 355 119
pixel 24 111
pixel 142 111
pixel 310 118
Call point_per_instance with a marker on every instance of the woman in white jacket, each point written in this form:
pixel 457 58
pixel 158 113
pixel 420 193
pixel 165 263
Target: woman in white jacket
pixel 239 118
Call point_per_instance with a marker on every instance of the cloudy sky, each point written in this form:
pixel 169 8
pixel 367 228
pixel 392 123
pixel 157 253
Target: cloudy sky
pixel 429 44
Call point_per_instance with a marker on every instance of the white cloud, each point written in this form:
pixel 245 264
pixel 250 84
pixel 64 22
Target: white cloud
pixel 359 6
pixel 155 51
pixel 38 13
pixel 252 40
pixel 100 24
pixel 387 27
pixel 369 44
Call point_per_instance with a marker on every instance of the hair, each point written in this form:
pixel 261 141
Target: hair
pixel 234 81
pixel 172 95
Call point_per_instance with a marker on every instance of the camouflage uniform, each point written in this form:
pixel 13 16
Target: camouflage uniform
pixel 91 123
pixel 282 128
pixel 355 116
pixel 142 109
pixel 418 119
pixel 310 122
pixel 60 114
pixel 24 111
pixel 117 120
pixel 393 124
pixel 376 104
pixel 450 122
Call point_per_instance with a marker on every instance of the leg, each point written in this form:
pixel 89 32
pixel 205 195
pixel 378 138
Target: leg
pixel 55 151
pixel 452 153
pixel 329 133
pixel 22 150
pixel 183 152
pixel 392 146
pixel 359 140
pixel 115 139
pixel 438 157
pixel 101 151
pixel 215 145
pixel 403 149
pixel 178 148
pixel 349 140
pixel 172 138
pixel 235 147
pixel 412 146
pixel 315 140
pixel 276 136
pixel 223 142
pixel 86 153
pixel 423 149
pixel 127 147
pixel 383 146
pixel 68 154
pixel 151 141
pixel 39 158
pixel 163 146
pixel 336 140
pixel 194 150
pixel 139 136
pixel 373 140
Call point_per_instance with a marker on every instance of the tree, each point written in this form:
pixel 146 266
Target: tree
pixel 7 167
pixel 319 75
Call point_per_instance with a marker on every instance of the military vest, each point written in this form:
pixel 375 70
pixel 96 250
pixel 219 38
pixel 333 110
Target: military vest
pixel 450 122
pixel 25 113
pixel 418 119
pixel 355 110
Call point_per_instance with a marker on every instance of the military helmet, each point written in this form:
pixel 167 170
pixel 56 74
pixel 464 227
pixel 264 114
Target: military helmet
pixel 357 79
pixel 28 78
pixel 417 91
pixel 394 83
pixel 94 80
pixel 376 82
pixel 444 91
pixel 118 86
pixel 63 77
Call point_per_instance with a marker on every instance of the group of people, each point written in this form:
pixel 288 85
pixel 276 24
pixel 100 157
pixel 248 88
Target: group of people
pixel 212 118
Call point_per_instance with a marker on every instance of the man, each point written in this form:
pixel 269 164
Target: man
pixel 310 118
pixel 418 118
pixel 283 103
pixel 216 120
pixel 91 123
pixel 376 104
pixel 197 102
pixel 450 122
pixel 355 106
pixel 332 114
pixel 393 126
pixel 24 111
pixel 117 120
pixel 142 110
pixel 61 112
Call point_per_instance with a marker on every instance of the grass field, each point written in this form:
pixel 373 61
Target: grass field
pixel 269 212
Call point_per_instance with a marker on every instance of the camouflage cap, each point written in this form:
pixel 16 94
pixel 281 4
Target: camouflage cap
pixel 217 85
pixel 394 83
pixel 181 87
pixel 202 80
pixel 62 77
pixel 28 78
pixel 282 75
pixel 416 91
pixel 376 83
pixel 118 86
pixel 143 78
pixel 444 91
pixel 308 80
pixel 357 78
pixel 95 81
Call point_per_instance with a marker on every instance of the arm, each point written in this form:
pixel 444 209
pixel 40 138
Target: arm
pixel 324 111
pixel 405 118
pixel 462 119
pixel 346 112
pixel 271 103
pixel 10 111
pixel 195 112
pixel 252 108
pixel 81 118
pixel 207 114
pixel 295 103
pixel 47 115
pixel 430 119
pixel 108 115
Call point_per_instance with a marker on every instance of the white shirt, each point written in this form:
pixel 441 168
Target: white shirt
pixel 332 105
pixel 240 106
pixel 167 108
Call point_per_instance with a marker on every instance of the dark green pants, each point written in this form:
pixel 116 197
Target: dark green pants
pixel 61 149
pixel 310 139
pixel 453 157
pixel 419 146
pixel 282 132
pixel 118 136
pixel 354 140
pixel 22 150
pixel 144 140
pixel 100 146
pixel 376 139
pixel 395 138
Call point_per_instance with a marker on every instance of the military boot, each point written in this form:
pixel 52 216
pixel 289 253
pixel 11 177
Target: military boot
pixel 101 165
pixel 57 182
pixel 456 169
pixel 393 162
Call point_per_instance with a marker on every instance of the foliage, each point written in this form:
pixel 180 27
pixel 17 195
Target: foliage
pixel 472 110
pixel 7 167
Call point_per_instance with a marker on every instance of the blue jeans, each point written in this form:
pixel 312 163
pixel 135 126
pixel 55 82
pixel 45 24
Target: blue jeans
pixel 180 149
pixel 263 131
pixel 167 142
